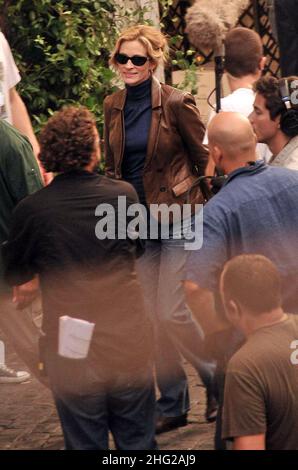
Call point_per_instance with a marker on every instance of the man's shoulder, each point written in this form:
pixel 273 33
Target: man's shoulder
pixel 244 360
pixel 288 157
pixel 261 345
pixel 292 326
pixel 240 100
pixel 118 187
pixel 31 204
pixel 294 319
pixel 283 175
pixel 11 138
pixel 2 38
pixel 251 352
pixel 6 130
pixel 236 191
pixel 16 153
pixel 220 201
pixel 266 177
pixel 217 211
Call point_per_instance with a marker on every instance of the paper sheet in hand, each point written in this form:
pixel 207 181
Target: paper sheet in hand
pixel 74 337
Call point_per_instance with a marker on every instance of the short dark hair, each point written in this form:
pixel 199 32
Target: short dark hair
pixel 67 140
pixel 269 88
pixel 243 52
pixel 253 281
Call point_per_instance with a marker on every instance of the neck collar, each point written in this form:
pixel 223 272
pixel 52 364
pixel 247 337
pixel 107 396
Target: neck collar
pixel 140 91
pixel 251 167
pixel 120 97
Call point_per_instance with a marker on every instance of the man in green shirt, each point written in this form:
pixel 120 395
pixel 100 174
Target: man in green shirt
pixel 261 388
pixel 19 176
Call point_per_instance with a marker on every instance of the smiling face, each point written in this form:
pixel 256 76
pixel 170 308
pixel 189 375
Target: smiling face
pixel 132 74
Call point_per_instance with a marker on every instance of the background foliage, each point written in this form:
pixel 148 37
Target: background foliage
pixel 62 49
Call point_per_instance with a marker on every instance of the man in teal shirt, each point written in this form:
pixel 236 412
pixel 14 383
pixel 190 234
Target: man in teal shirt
pixel 19 176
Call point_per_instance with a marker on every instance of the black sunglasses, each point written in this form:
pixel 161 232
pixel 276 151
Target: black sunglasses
pixel 137 60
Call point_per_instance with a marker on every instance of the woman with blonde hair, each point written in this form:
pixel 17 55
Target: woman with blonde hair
pixel 153 140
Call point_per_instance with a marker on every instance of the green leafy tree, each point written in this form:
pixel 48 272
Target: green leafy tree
pixel 62 50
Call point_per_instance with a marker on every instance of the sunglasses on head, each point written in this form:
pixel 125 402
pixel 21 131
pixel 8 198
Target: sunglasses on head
pixel 137 60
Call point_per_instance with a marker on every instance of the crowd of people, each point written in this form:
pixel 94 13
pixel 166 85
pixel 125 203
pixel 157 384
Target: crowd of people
pixel 227 306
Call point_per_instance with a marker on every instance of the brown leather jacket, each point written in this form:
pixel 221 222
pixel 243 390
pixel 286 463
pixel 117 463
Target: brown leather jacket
pixel 175 154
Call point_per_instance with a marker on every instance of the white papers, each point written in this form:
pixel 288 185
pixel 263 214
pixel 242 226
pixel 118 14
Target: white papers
pixel 74 337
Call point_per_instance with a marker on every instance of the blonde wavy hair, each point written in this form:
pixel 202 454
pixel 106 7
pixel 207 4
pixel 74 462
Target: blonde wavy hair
pixel 153 40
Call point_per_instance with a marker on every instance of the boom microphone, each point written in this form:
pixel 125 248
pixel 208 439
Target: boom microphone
pixel 207 22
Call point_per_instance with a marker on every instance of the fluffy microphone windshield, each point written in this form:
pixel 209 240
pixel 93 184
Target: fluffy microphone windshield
pixel 207 22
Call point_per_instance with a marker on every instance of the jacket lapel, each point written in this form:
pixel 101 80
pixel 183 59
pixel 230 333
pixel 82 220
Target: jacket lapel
pixel 119 104
pixel 155 120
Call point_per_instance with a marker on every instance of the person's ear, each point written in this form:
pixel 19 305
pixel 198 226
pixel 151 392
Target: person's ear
pixel 233 311
pixel 277 121
pixel 217 155
pixel 96 155
pixel 255 138
pixel 262 63
pixel 152 66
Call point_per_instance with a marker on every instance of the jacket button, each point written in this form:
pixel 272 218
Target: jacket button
pixel 163 189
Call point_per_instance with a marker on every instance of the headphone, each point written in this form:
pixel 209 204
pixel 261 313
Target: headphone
pixel 289 117
pixel 216 184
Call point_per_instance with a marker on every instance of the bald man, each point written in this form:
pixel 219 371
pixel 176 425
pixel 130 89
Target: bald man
pixel 232 142
pixel 255 212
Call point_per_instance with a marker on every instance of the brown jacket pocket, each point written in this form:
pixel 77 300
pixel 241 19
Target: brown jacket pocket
pixel 183 186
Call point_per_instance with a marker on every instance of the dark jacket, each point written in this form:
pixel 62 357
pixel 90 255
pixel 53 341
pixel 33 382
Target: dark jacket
pixel 19 176
pixel 54 233
pixel 175 154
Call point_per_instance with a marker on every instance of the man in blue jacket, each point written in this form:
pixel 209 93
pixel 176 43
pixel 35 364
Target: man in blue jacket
pixel 255 212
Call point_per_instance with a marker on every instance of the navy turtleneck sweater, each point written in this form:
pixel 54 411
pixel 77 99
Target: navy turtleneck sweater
pixel 137 121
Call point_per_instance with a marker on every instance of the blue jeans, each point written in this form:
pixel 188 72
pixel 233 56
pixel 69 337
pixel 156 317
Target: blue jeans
pixel 177 335
pixel 90 403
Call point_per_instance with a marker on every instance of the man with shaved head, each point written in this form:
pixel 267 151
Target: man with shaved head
pixel 255 212
pixel 231 138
